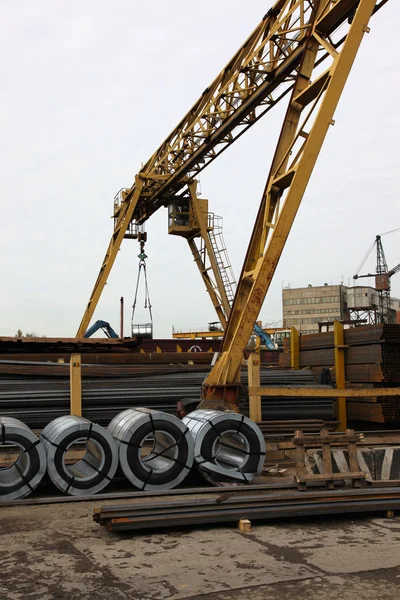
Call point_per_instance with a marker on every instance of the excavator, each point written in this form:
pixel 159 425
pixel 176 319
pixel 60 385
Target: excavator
pixel 301 52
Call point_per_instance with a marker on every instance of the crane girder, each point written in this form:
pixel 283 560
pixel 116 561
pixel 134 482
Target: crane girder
pixel 245 90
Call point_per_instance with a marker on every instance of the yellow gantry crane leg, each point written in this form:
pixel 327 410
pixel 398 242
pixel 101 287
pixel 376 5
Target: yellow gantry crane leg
pixel 299 144
pixel 124 218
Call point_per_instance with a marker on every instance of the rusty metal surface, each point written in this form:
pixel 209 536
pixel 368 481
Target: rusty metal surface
pixel 188 512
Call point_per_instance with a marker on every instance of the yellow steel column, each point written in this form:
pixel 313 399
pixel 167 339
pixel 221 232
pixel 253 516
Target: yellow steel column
pixel 294 348
pixel 75 384
pixel 253 366
pixel 338 336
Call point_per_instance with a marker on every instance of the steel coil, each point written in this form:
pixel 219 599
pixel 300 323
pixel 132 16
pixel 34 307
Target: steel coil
pixel 20 478
pixel 227 444
pixel 156 450
pixel 94 470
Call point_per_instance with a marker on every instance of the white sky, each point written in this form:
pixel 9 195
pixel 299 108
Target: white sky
pixel 91 88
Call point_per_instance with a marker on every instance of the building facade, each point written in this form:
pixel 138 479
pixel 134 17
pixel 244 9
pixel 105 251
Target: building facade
pixel 304 308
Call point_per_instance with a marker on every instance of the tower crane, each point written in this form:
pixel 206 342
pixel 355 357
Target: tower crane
pixel 382 279
pixel 303 51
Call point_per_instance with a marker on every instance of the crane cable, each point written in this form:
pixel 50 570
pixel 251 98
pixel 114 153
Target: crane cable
pixel 147 302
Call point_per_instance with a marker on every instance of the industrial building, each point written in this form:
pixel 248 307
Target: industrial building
pixel 307 308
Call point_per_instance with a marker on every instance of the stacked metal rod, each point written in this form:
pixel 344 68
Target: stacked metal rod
pixel 231 507
pixel 289 426
pixel 37 401
pixel 372 359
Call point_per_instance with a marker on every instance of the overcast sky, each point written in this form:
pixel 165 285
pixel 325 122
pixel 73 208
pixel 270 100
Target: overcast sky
pixel 89 89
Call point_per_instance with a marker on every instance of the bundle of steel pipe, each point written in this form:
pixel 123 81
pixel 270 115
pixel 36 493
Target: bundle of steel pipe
pixel 243 504
pixel 39 401
pixel 372 357
pixel 356 336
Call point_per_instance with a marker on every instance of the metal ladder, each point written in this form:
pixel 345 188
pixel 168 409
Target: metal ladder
pixel 221 256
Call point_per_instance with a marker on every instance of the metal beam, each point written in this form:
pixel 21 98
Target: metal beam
pixel 301 392
pixel 253 366
pixel 340 373
pixel 75 385
pixel 294 348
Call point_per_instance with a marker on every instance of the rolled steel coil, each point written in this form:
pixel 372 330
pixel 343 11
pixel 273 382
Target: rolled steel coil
pixel 26 472
pixel 156 450
pixel 94 470
pixel 227 445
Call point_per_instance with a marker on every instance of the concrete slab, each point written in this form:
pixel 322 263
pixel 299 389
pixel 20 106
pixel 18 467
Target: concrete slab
pixel 57 552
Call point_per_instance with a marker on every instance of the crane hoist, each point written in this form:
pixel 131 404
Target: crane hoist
pixel 382 279
pixel 302 51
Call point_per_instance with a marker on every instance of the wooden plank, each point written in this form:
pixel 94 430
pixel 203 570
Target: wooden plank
pixel 331 476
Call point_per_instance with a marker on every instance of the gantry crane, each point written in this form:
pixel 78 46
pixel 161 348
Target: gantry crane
pixel 382 280
pixel 284 57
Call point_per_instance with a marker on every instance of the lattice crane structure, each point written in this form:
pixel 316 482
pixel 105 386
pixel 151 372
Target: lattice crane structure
pixel 382 281
pixel 302 50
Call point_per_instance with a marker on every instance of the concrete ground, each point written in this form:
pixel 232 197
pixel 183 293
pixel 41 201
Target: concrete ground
pixel 57 552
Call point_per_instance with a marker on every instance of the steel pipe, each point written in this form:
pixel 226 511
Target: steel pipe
pixel 227 445
pixel 20 478
pixel 94 470
pixel 156 450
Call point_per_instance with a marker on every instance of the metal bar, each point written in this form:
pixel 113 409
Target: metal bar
pixel 294 349
pixel 253 365
pixel 324 393
pixel 338 338
pixel 75 385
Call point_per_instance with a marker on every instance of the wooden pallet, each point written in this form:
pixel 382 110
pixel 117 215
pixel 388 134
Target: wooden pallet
pixel 325 441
